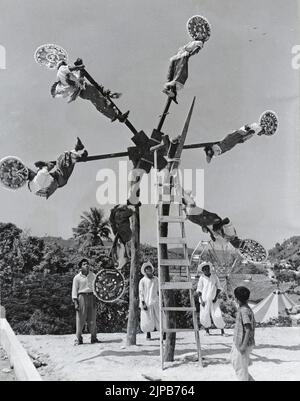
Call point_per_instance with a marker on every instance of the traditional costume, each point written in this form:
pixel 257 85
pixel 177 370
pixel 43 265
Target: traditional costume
pixel 198 215
pixel 120 222
pixel 240 136
pixel 209 221
pixel 178 69
pixel 149 296
pixel 51 176
pixel 208 288
pixel 70 84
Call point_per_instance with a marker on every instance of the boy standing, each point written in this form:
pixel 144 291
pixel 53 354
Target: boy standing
pixel 244 334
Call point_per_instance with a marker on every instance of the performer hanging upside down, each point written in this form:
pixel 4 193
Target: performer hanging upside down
pixel 178 69
pixel 70 84
pixel 53 175
pixel 240 136
pixel 210 222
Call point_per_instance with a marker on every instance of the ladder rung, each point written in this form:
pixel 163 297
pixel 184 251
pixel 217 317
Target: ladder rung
pixel 172 219
pixel 174 262
pixel 165 184
pixel 179 309
pixel 169 240
pixel 178 330
pixel 177 285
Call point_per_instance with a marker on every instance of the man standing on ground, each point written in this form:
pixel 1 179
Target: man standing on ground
pixel 85 302
pixel 149 300
pixel 209 289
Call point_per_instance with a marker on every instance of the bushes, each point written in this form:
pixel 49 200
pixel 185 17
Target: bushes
pixel 282 321
pixel 36 279
pixel 40 296
pixel 112 318
pixel 41 323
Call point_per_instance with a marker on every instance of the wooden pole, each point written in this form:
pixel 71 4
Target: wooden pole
pixel 126 154
pixel 133 316
pixel 164 114
pixel 168 296
pixel 100 89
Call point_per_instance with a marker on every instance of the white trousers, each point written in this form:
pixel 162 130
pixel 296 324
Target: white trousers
pixel 240 363
pixel 211 311
pixel 150 318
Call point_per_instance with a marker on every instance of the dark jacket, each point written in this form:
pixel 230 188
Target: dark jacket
pixel 120 222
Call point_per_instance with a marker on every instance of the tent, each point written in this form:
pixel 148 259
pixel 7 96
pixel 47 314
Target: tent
pixel 271 307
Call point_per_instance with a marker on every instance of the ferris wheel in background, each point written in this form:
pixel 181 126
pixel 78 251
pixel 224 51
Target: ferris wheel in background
pixel 223 256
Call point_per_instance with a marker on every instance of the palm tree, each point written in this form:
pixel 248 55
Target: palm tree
pixel 93 228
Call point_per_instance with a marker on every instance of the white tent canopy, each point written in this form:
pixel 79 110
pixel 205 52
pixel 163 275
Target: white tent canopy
pixel 271 307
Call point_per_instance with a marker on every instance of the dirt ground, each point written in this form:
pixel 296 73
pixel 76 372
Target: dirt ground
pixel 4 367
pixel 275 358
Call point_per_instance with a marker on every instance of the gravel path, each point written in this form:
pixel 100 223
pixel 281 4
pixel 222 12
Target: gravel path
pixel 6 374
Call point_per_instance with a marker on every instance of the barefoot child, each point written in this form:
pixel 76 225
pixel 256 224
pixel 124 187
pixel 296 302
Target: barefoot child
pixel 244 332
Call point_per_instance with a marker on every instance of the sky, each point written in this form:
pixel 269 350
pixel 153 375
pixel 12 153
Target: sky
pixel 244 69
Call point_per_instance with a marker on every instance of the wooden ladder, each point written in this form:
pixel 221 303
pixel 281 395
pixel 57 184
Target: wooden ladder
pixel 170 193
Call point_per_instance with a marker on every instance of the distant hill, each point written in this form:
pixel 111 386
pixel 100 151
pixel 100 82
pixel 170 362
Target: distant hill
pixel 64 243
pixel 287 252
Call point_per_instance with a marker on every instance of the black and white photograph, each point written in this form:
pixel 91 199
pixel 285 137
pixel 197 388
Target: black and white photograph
pixel 149 193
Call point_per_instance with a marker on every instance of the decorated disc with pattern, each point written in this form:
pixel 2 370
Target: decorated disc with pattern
pixel 13 173
pixel 50 55
pixel 269 122
pixel 253 251
pixel 109 285
pixel 199 28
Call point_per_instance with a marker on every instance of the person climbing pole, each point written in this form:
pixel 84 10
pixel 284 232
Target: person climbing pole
pixel 71 84
pixel 53 175
pixel 120 223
